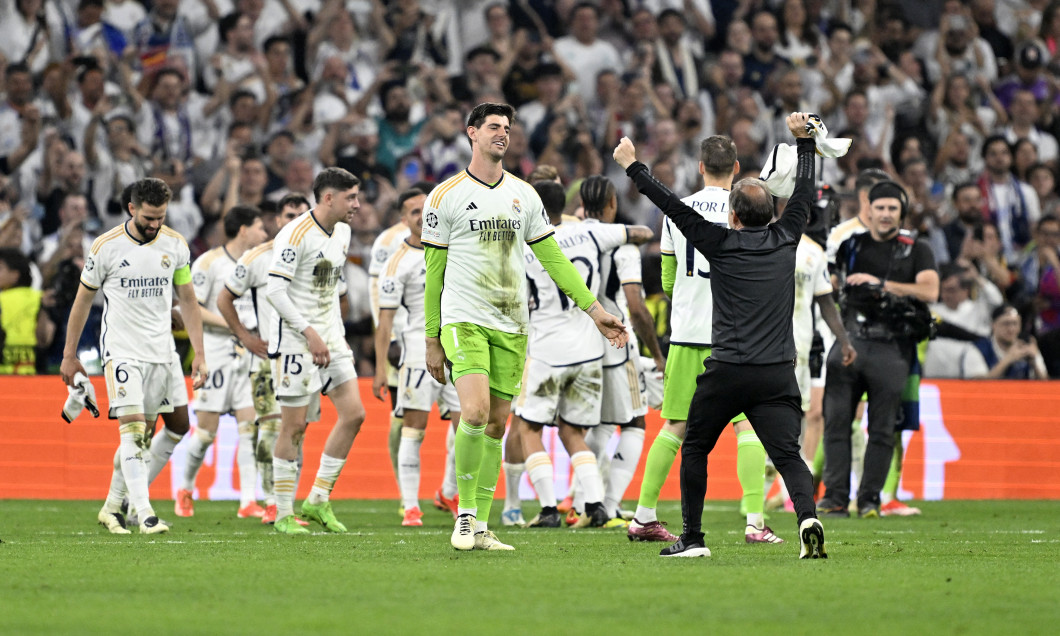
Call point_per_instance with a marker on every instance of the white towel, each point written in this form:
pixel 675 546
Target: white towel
pixel 82 396
pixel 779 171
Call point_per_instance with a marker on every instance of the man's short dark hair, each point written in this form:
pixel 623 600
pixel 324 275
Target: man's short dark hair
pixel 718 154
pixel 238 217
pixel 153 192
pixel 273 40
pixel 583 5
pixel 1046 218
pixel 837 25
pixel 126 197
pixel 240 94
pixel 596 192
pixel 990 141
pixel 293 200
pixel 963 186
pixel 482 49
pixel 852 94
pixel 333 179
pixel 868 178
pixel 751 203
pixel 552 197
pixel 411 193
pixel 18 262
pixel 16 67
pixel 168 70
pixel 482 111
pixel 671 13
pixel 1001 310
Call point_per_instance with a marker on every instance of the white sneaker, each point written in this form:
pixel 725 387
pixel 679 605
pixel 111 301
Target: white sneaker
pixel 464 533
pixel 114 522
pixel 153 525
pixel 513 517
pixel 489 541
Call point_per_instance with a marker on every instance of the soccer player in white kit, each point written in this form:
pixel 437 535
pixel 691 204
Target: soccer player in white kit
pixel 251 275
pixel 385 244
pixel 308 346
pixel 228 388
pixel 813 285
pixel 401 285
pixel 137 265
pixel 624 400
pixel 562 379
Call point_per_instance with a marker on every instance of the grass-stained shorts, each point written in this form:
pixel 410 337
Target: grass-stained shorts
pixel 683 366
pixel 471 348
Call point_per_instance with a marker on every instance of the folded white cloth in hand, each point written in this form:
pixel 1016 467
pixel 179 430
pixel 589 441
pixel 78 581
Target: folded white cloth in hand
pixel 82 396
pixel 653 378
pixel 779 171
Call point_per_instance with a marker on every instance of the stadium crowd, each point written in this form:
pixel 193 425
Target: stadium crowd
pixel 243 102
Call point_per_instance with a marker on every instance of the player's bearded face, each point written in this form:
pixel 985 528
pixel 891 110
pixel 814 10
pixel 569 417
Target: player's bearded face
pixel 148 220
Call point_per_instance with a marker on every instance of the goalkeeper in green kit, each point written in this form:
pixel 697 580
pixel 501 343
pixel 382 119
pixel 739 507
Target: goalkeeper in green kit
pixel 474 225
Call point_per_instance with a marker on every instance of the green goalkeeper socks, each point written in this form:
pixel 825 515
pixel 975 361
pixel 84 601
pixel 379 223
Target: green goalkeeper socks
pixel 468 447
pixel 894 475
pixel 488 474
pixel 657 466
pixel 751 471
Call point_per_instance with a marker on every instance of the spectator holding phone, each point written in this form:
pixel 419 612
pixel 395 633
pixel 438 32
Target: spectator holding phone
pixel 1007 355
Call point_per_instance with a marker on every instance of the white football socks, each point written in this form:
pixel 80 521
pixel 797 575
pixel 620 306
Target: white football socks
pixel 409 466
pixel 449 480
pixel 539 467
pixel 197 446
pixel 247 463
pixel 585 467
pixel 134 468
pixel 161 450
pixel 512 474
pixel 285 482
pixel 623 466
pixel 327 475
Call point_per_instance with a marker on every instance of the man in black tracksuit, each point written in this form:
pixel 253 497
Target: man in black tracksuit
pixel 752 365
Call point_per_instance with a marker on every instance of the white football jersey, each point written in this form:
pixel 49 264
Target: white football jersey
pixel 484 228
pixel 209 273
pixel 840 233
pixel 386 244
pixel 618 267
pixel 692 308
pixel 137 284
pixel 312 260
pixel 251 274
pixel 811 281
pixel 402 284
pixel 561 334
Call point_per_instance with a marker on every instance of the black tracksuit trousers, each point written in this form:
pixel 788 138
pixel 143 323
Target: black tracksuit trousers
pixel 769 395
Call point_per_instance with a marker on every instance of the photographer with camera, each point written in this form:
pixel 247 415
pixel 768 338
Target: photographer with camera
pixel 886 277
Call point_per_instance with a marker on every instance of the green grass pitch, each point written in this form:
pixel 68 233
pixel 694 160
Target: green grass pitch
pixel 987 567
